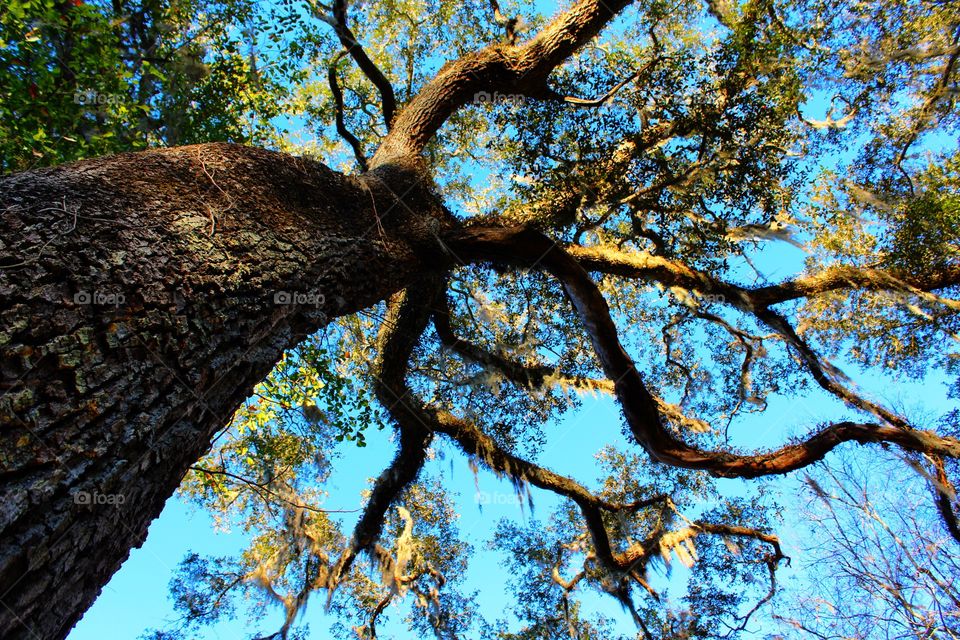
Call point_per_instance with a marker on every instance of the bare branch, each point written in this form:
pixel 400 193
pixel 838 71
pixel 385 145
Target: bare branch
pixel 339 107
pixel 338 20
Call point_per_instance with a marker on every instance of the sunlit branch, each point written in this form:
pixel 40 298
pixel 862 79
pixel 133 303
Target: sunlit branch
pixel 660 542
pixel 602 100
pixel 605 98
pixel 372 622
pixel 757 301
pixel 521 70
pixel 652 268
pixel 529 248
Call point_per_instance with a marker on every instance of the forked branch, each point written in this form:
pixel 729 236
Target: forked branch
pixel 521 70
pixel 529 248
pixel 339 115
pixel 337 18
pixel 390 369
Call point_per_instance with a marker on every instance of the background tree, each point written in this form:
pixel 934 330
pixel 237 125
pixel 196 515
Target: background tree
pixel 579 203
pixel 890 570
pixel 85 79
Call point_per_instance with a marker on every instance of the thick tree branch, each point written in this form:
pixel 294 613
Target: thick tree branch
pixel 399 333
pixel 646 266
pixel 758 301
pixel 529 248
pixel 407 318
pixel 534 376
pixel 496 68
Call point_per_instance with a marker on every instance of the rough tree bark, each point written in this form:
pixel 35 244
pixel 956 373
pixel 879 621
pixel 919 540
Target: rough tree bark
pixel 144 295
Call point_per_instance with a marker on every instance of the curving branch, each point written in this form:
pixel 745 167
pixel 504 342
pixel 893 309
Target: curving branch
pixel 535 376
pixel 399 334
pixel 602 100
pixel 752 346
pixel 337 18
pixel 826 375
pixel 946 495
pixel 670 361
pixel 408 318
pixel 372 622
pixel 339 116
pixel 526 376
pixel 518 70
pixel 605 98
pixel 757 301
pixel 529 248
pixel 661 541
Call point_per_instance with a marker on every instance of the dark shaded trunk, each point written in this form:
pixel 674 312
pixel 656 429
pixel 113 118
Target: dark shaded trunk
pixel 143 296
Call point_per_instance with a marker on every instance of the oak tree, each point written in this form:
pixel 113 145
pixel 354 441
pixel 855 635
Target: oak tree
pixel 524 208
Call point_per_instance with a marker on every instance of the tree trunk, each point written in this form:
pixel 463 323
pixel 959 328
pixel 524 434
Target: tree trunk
pixel 143 296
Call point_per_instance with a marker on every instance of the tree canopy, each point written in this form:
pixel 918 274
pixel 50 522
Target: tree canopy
pixel 692 207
